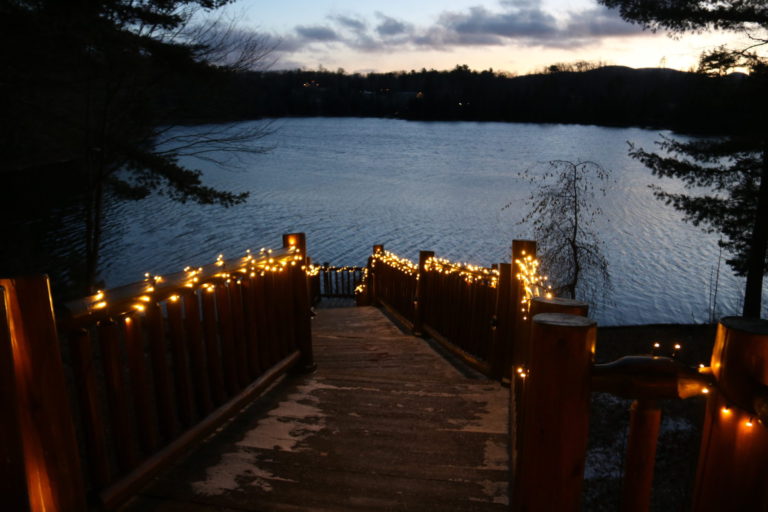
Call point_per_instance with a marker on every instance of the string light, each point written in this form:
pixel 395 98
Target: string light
pixel 471 274
pixel 533 283
pixel 392 260
pixel 194 278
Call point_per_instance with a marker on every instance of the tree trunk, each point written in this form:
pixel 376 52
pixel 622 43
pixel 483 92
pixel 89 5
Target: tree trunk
pixel 753 291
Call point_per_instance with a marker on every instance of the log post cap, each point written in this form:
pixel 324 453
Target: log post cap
pixel 560 301
pixel 757 326
pixel 563 320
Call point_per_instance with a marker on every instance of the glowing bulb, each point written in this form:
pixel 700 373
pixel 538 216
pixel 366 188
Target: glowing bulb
pixel 139 307
pixel 100 305
pixel 173 298
pixel 705 391
pixel 99 295
pixel 749 422
pixel 726 410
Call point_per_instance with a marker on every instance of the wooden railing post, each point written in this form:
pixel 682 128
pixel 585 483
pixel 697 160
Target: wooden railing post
pixel 298 240
pixel 733 458
pixel 301 315
pixel 550 466
pixel 644 425
pixel 558 305
pixel 501 340
pixel 373 281
pixel 42 416
pixel 521 318
pixel 418 300
pixel 301 311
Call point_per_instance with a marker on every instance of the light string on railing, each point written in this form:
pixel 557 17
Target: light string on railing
pixel 193 278
pixel 392 260
pixel 533 283
pixel 362 286
pixel 470 273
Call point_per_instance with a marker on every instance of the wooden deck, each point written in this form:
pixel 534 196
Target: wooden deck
pixel 385 423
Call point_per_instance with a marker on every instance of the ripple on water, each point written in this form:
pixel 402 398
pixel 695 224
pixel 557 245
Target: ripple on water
pixel 352 183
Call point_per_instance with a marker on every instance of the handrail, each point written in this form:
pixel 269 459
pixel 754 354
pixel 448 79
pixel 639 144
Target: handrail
pixel 156 365
pixel 651 378
pixel 133 297
pixel 441 299
pixel 473 311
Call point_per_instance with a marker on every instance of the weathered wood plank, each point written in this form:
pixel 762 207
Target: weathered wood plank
pixel 384 424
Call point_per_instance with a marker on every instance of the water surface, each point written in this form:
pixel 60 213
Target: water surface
pixel 350 183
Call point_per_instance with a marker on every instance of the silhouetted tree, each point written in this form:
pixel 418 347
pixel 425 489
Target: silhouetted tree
pixel 91 84
pixel 735 169
pixel 562 211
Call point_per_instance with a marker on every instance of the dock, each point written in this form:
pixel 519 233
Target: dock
pixel 449 387
pixel 385 423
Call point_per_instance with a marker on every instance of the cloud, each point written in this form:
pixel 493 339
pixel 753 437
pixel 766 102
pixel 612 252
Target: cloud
pixel 520 22
pixel 600 22
pixel 353 23
pixel 525 22
pixel 389 26
pixel 317 33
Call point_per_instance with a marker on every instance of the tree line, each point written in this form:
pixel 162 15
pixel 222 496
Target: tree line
pixel 561 93
pixel 89 90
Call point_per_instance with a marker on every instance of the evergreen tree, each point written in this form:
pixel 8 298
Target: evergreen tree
pixel 93 86
pixel 735 168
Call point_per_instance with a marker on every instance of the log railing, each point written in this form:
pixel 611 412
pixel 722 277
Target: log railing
pixel 156 365
pixel 545 347
pixel 551 415
pixel 336 282
pixel 474 312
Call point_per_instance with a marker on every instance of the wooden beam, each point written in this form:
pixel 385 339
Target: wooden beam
pixel 43 412
pixel 126 487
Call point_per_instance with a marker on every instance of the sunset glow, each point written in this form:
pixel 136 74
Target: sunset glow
pixel 515 36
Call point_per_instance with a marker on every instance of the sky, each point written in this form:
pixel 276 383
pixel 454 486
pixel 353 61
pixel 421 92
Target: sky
pixel 515 36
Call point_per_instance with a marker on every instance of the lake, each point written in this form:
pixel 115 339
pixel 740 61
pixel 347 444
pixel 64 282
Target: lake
pixel 349 183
